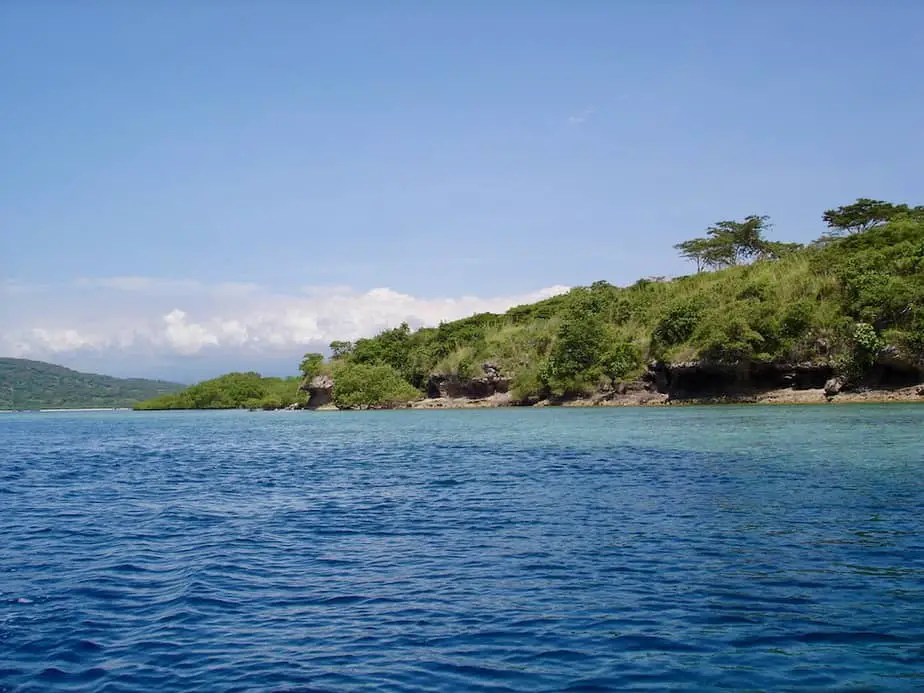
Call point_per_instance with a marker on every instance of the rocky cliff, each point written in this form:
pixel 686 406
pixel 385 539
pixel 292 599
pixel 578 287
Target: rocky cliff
pixel 452 386
pixel 705 379
pixel 699 379
pixel 320 391
pixel 690 381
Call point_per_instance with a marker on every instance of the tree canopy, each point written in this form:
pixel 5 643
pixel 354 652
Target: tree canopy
pixel 732 243
pixel 862 215
pixel 231 391
pixel 311 365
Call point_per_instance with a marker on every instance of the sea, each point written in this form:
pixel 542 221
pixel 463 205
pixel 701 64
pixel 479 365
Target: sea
pixel 741 548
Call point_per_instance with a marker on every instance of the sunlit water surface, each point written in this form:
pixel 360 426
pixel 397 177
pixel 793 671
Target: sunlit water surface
pixel 746 548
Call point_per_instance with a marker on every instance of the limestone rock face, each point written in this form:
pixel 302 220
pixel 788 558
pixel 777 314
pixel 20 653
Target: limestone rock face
pixel 703 378
pixel 452 386
pixel 833 387
pixel 320 390
pixel 893 368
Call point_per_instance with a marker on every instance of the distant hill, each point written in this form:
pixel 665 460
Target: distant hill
pixel 26 384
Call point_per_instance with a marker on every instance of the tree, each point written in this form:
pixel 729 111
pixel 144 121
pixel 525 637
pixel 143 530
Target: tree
pixel 340 348
pixel 311 365
pixel 740 240
pixel 862 215
pixel 696 250
pixel 580 342
pixel 361 384
pixel 729 243
pixel 620 360
pixel 774 250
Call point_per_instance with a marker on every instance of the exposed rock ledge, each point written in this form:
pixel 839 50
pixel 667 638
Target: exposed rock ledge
pixel 692 382
pixel 451 386
pixel 756 381
pixel 320 392
pixel 643 398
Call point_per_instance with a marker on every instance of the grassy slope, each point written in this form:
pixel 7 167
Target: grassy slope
pixel 839 303
pixel 26 384
pixel 805 306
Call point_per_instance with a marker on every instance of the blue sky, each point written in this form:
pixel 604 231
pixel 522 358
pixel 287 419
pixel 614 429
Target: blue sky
pixel 278 166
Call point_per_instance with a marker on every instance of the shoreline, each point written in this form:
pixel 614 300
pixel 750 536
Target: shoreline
pixel 786 396
pixel 635 398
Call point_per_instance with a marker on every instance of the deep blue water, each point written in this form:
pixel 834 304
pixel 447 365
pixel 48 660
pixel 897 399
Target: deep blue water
pixel 739 548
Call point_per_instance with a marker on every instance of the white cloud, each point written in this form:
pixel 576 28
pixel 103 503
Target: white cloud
pixel 146 317
pixel 62 339
pixel 580 118
pixel 185 337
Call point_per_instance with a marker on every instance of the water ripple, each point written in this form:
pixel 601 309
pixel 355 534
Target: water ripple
pixel 523 550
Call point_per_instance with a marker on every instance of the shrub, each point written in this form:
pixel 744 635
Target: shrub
pixel 311 365
pixel 359 385
pixel 796 320
pixel 463 362
pixel 867 344
pixel 529 382
pixel 579 346
pixel 620 360
pixel 678 323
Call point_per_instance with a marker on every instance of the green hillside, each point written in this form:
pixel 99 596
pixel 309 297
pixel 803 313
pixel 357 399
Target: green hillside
pixel 232 391
pixel 850 304
pixel 845 300
pixel 26 384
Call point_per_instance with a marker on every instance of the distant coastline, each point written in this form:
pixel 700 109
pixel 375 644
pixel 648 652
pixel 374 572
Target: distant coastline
pixel 29 385
pixel 63 409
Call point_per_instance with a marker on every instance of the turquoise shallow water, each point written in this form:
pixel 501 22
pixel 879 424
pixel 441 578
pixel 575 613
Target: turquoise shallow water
pixel 738 548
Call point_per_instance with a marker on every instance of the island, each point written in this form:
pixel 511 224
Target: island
pixel 839 319
pixel 28 385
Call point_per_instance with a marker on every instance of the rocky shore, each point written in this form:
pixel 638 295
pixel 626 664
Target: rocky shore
pixel 686 383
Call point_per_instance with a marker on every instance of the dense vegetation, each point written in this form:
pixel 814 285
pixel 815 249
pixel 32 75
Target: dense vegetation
pixel 839 300
pixel 26 384
pixel 232 391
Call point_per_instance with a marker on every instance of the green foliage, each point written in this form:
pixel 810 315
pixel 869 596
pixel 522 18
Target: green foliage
pixel 340 348
pixel 678 323
pixel 797 319
pixel 529 381
pixel 862 215
pixel 841 300
pixel 26 384
pixel 729 337
pixel 699 250
pixel 867 344
pixel 389 347
pixel 864 346
pixel 768 301
pixel 522 351
pixel 881 273
pixel 231 391
pixel 311 365
pixel 363 385
pixel 463 362
pixel 577 353
pixel 620 360
pixel 730 243
pixel 775 250
pixel 580 341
